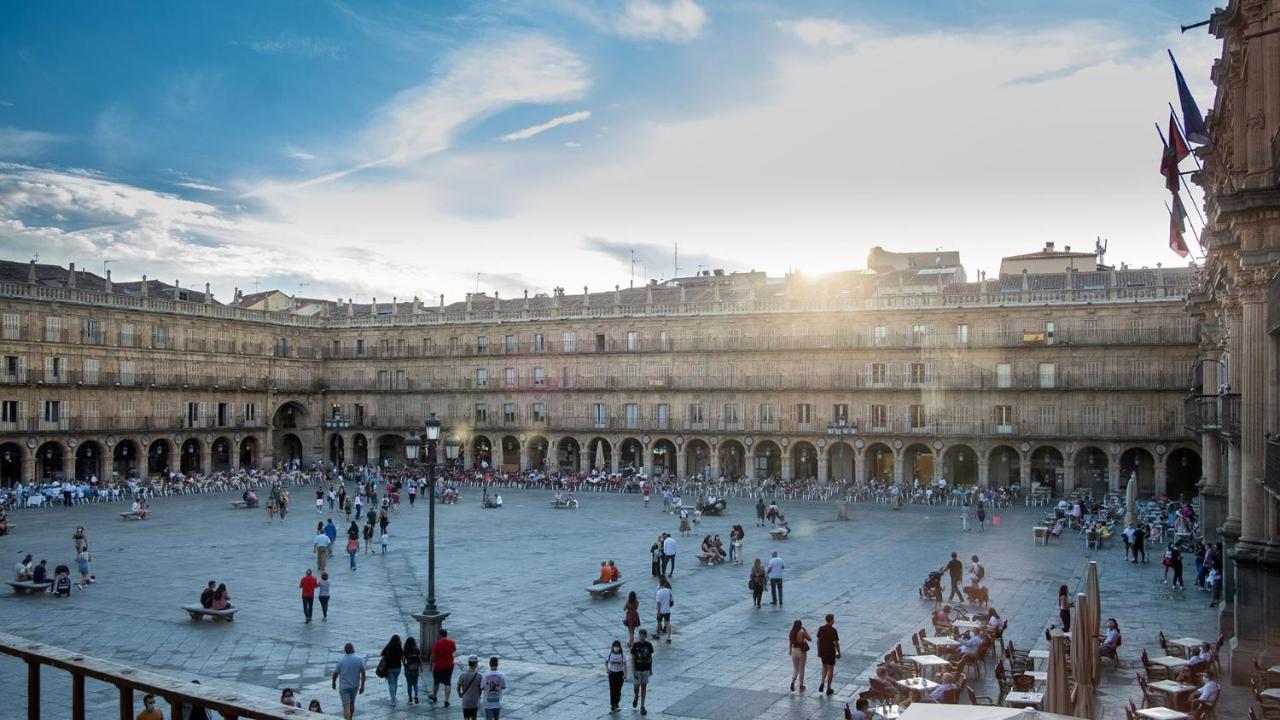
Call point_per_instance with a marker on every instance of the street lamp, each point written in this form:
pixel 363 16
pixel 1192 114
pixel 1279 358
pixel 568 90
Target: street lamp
pixel 430 619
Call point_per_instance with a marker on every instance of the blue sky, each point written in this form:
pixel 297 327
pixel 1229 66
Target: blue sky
pixel 401 148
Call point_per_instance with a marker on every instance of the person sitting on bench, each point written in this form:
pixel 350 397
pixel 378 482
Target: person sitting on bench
pixel 606 576
pixel 206 597
pixel 40 573
pixel 783 529
pixel 614 573
pixel 221 599
pixel 22 571
pixel 708 551
pixel 250 498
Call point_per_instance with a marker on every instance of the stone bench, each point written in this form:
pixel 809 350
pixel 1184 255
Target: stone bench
pixel 198 612
pixel 778 534
pixel 565 505
pixel 131 515
pixel 603 590
pixel 28 587
pixel 710 560
pixel 243 504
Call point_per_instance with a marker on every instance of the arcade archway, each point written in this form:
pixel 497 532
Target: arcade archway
pixel 1182 474
pixel 1004 467
pixel 1093 471
pixel 510 453
pixel 841 463
pixel 248 454
pixel 600 454
pixel 190 462
pixel 1138 462
pixel 917 461
pixel 10 464
pixel 88 460
pixel 879 463
pixel 568 453
pixel 1046 468
pixel 124 459
pixel 804 461
pixel 664 458
pixel 220 456
pixel 960 465
pixel 49 462
pixel 158 458
pixel 538 452
pixel 337 450
pixel 631 455
pixel 697 459
pixel 766 458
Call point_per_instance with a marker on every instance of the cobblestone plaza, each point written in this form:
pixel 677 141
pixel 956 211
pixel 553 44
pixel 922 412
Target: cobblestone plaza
pixel 513 582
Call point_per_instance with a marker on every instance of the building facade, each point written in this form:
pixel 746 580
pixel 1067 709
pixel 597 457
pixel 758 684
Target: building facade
pixel 1236 410
pixel 1070 380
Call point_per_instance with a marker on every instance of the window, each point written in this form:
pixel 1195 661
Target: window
pixel 481 413
pixel 128 338
pixel 539 412
pixel 359 346
pixel 566 377
pixel 664 340
pixel 509 344
pixel 402 379
pixel 1091 329
pixel 538 343
pixel 509 377
pixel 428 346
pixel 1048 416
pixel 879 417
pixel 918 334
pixel 962 334
pixel 251 413
pixel 633 341
pixel 1047 373
pixel 840 413
pixel 918 373
pixel 9 411
pixel 53 369
pixel 918 416
pixel 282 347
pixel 1049 330
pixel 602 342
pixel 53 329
pixel 94 332
pixel 224 414
pixel 960 416
pixel 160 338
pixel 482 343
pixel 631 413
pixel 384 380
pixel 1004 375
pixel 12 366
pixel 732 414
pixel 482 378
pixel 1093 373
pixel 662 415
pixel 455 344
pixel 509 413
pixel 193 414
pixel 1003 417
pixel 879 335
pixel 804 413
pixel 1137 373
pixel 599 415
pixel 877 374
pixel 567 341
pixel 12 326
pixel 1137 416
pixel 91 368
pixel 767 414
pixel 539 376
pixel 697 416
pixel 128 372
pixel 53 411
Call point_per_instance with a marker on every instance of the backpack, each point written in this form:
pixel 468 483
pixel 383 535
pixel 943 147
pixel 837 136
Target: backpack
pixel 982 572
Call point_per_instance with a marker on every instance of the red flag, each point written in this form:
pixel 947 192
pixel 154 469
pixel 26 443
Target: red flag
pixel 1169 168
pixel 1176 141
pixel 1177 226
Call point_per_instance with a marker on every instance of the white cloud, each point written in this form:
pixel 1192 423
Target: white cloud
pixel 572 144
pixel 18 144
pixel 674 21
pixel 199 186
pixel 298 154
pixel 529 132
pixel 296 45
pixel 821 31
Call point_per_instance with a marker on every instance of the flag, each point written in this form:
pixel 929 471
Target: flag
pixel 1169 168
pixel 1192 121
pixel 1180 149
pixel 1177 226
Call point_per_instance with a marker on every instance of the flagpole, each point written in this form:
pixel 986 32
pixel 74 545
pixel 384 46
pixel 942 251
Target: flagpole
pixel 1182 180
pixel 1174 114
pixel 1194 234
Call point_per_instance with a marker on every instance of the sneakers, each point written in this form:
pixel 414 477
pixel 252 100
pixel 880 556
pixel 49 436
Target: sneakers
pixel 635 700
pixel 643 711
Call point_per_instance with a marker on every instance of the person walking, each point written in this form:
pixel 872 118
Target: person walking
pixel 976 572
pixel 615 666
pixel 391 663
pixel 331 532
pixel 368 537
pixel 442 666
pixel 469 689
pixel 641 670
pixel 655 556
pixel 760 510
pixel 982 515
pixel 631 616
pixel 1139 538
pixel 308 584
pixel 798 648
pixel 1064 608
pixel 828 653
pixel 320 545
pixel 775 579
pixel 492 684
pixel 955 569
pixel 80 538
pixel 1175 562
pixel 664 600
pixel 322 592
pixel 353 543
pixel 348 679
pixel 82 564
pixel 756 582
pixel 412 668
pixel 668 556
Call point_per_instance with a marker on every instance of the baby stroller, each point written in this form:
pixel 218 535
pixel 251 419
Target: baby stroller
pixel 932 587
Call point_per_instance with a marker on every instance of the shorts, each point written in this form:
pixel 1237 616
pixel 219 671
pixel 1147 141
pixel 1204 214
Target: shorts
pixel 492 713
pixel 641 677
pixel 348 695
pixel 442 677
pixel 828 659
pixel 664 617
pixel 470 713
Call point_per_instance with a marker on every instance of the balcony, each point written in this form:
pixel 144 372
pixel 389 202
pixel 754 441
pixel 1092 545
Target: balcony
pixel 1200 413
pixel 1229 415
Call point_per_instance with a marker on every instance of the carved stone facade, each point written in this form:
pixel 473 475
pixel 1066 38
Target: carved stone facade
pixel 1238 303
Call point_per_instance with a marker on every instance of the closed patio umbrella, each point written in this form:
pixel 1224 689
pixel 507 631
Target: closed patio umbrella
pixel 1081 658
pixel 1131 501
pixel 1057 695
pixel 1094 615
pixel 599 455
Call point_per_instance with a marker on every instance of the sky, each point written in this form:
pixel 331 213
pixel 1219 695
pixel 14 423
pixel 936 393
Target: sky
pixel 379 149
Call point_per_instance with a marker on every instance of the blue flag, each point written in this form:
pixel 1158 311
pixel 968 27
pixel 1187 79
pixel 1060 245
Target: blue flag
pixel 1192 120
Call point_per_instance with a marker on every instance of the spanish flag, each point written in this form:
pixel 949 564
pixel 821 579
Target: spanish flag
pixel 1033 337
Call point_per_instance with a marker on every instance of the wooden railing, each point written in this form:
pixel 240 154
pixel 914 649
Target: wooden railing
pixel 213 695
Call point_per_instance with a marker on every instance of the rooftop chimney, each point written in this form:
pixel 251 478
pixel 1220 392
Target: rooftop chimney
pixel 106 284
pixel 586 297
pixel 143 288
pixel 1066 248
pixel 526 299
pixel 208 297
pixel 1048 247
pixel 351 308
pixel 31 273
pixel 71 276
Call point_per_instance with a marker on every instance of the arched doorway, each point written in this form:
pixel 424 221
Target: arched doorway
pixel 190 461
pixel 290 416
pixel 88 460
pixel 1182 474
pixel 220 457
pixel 124 459
pixel 481 452
pixel 1004 467
pixel 567 454
pixel 49 463
pixel 960 465
pixel 631 455
pixel 879 463
pixel 804 461
pixel 538 452
pixel 390 450
pixel 510 454
pixel 337 450
pixel 1137 461
pixel 1046 469
pixel 158 458
pixel 697 459
pixel 248 454
pixel 664 458
pixel 766 458
pixel 917 462
pixel 290 453
pixel 10 464
pixel 1092 471
pixel 360 450
pixel 841 463
pixel 600 454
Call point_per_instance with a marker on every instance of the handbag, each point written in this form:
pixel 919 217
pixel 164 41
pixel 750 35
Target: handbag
pixel 381 670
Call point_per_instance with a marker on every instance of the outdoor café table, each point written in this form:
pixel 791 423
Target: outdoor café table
pixel 888 712
pixel 1176 691
pixel 1271 694
pixel 1169 661
pixel 1186 644
pixel 1038 655
pixel 942 643
pixel 1162 713
pixel 1039 676
pixel 917 686
pixel 1023 699
pixel 968 625
pixel 928 663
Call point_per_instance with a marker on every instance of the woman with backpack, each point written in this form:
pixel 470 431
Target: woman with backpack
pixel 392 660
pixel 757 582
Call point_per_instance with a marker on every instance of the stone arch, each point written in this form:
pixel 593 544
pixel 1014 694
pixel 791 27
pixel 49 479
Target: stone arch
pixel 697 458
pixel 11 456
pixel 600 454
pixel 337 449
pixel 1004 466
pixel 631 455
pixel 1182 473
pixel 190 460
pixel 664 457
pixel 88 460
pixel 766 458
pixel 389 450
pixel 538 446
pixel 220 455
pixel 359 449
pixel 842 462
pixel 249 453
pixel 569 454
pixel 124 459
pixel 50 461
pixel 510 446
pixel 1139 461
pixel 917 463
pixel 878 459
pixel 1046 468
pixel 1093 470
pixel 960 465
pixel 804 461
pixel 290 415
pixel 289 449
pixel 158 457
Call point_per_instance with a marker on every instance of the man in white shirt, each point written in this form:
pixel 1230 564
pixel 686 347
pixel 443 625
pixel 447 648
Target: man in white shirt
pixel 492 684
pixel 321 544
pixel 1205 697
pixel 664 600
pixel 668 557
pixel 775 579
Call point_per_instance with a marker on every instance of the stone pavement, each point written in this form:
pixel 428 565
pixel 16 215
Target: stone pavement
pixel 513 580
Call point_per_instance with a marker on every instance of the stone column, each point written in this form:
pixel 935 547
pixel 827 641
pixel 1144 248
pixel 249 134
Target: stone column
pixel 1068 476
pixel 822 466
pixel 28 466
pixel 984 471
pixel 714 459
pixel 206 457
pixel 1231 526
pixel 1162 474
pixel 897 467
pixel 1113 473
pixel 647 451
pixel 785 464
pixel 680 462
pixel 524 455
pixel 1213 493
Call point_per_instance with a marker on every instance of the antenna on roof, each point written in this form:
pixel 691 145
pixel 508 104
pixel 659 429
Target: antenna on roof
pixel 256 283
pixel 105 263
pixel 633 268
pixel 1100 247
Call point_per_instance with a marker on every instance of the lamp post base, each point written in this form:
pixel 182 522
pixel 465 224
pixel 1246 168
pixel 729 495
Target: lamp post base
pixel 429 630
